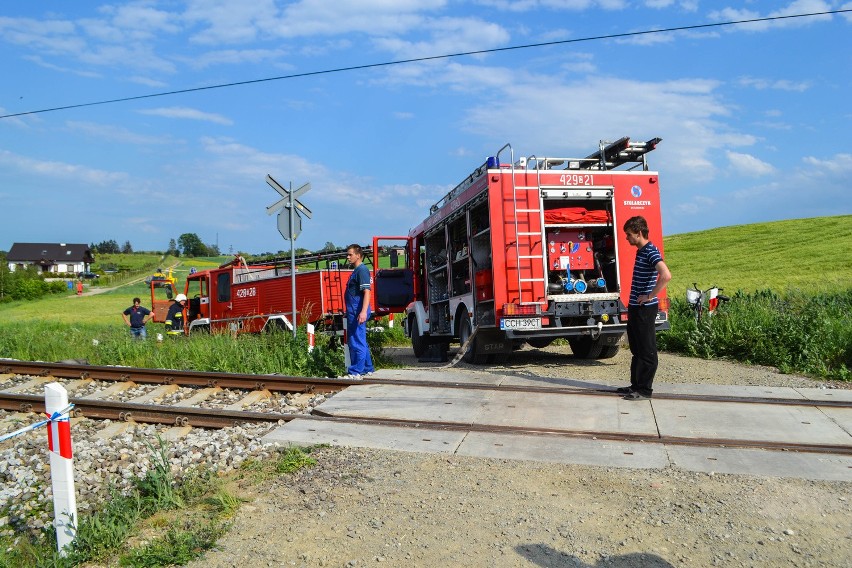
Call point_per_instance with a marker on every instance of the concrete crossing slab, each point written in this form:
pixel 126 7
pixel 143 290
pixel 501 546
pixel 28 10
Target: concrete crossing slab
pixel 604 453
pixel 486 407
pixel 840 416
pixel 307 432
pixel 764 422
pixel 407 403
pixel 579 412
pixel 838 395
pixel 762 462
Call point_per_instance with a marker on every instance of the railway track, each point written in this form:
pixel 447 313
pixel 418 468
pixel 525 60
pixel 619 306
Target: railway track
pixel 188 411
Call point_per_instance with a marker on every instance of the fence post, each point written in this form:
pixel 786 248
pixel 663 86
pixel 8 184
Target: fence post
pixel 310 328
pixel 346 359
pixel 61 466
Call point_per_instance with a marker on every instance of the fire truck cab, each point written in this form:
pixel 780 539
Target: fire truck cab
pixel 528 250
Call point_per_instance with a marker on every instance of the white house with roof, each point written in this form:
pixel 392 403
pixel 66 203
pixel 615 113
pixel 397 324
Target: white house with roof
pixel 51 258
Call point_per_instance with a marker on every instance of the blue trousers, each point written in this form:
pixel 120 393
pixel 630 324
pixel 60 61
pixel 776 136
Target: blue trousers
pixel 359 352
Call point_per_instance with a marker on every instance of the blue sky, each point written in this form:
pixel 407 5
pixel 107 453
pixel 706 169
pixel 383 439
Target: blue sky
pixel 755 119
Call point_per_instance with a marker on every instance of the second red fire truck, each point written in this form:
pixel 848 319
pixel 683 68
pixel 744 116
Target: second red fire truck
pixel 526 250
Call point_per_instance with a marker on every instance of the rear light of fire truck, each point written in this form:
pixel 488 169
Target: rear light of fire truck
pixel 514 310
pixel 521 310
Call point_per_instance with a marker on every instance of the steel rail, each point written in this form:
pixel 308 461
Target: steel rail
pixel 831 449
pixel 222 418
pixel 148 413
pixel 277 383
pixel 609 392
pixel 283 383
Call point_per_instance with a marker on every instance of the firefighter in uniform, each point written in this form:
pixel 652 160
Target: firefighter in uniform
pixel 357 297
pixel 174 318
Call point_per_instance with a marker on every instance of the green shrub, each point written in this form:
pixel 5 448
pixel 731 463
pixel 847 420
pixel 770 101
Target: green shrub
pixel 797 332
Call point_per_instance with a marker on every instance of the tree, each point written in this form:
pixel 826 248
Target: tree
pixel 329 247
pixel 191 245
pixel 106 247
pixel 127 249
pixel 173 250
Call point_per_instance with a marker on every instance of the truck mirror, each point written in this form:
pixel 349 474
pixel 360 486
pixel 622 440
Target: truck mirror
pixel 394 258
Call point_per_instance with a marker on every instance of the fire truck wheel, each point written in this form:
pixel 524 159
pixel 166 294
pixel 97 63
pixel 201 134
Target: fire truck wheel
pixel 608 352
pixel 418 343
pixel 465 331
pixel 540 342
pixel 586 347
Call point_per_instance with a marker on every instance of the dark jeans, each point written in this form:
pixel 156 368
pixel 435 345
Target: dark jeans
pixel 642 336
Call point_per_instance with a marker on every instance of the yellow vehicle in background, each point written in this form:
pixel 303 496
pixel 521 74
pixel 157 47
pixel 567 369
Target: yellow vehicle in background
pixel 162 286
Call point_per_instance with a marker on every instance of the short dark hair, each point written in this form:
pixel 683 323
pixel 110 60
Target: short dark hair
pixel 137 300
pixel 637 224
pixel 356 249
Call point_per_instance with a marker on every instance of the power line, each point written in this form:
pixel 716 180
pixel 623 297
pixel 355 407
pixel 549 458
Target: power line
pixel 430 58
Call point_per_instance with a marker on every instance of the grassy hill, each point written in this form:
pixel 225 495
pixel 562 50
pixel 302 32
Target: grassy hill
pixel 809 255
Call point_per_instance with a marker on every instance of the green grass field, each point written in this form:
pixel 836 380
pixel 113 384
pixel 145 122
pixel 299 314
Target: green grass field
pixel 808 255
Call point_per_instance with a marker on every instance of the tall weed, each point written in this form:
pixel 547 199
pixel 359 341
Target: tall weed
pixel 796 332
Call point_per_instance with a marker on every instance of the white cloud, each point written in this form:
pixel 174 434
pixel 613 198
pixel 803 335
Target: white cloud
pixel 187 113
pixel 234 57
pixel 228 22
pixel 114 133
pixel 685 5
pixel 38 60
pixel 448 35
pixel 748 165
pixel 571 5
pixel 775 84
pixel 147 81
pixel 61 170
pixel 838 165
pixel 792 9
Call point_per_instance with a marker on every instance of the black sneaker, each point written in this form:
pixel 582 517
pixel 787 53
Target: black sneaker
pixel 624 390
pixel 636 396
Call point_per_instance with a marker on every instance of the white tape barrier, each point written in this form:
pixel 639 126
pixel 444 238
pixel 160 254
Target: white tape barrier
pixel 37 425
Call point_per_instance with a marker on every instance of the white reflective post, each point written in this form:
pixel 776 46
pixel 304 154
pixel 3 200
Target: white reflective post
pixel 61 466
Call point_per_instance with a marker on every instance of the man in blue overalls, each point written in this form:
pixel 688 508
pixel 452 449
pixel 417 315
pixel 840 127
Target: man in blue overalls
pixel 357 298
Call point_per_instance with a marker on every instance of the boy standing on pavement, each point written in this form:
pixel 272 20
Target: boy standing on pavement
pixel 136 317
pixel 650 276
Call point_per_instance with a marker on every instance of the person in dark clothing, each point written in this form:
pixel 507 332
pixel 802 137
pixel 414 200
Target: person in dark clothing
pixel 650 276
pixel 174 318
pixel 136 317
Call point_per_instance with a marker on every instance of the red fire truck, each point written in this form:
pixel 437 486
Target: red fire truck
pixel 237 297
pixel 527 251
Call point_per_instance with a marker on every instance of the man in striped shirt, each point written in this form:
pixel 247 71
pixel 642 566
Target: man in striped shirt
pixel 650 276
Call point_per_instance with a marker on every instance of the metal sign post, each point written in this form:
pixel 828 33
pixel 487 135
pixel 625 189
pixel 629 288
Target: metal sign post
pixel 290 225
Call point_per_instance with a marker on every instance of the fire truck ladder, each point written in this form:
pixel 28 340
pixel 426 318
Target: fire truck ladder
pixel 613 154
pixel 528 213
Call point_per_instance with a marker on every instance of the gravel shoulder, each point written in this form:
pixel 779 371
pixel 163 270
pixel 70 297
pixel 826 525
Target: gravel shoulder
pixel 362 507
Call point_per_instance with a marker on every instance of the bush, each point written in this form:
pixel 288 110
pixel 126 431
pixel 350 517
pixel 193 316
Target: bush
pixel 801 333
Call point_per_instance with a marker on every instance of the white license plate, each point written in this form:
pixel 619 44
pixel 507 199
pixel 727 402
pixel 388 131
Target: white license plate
pixel 520 323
